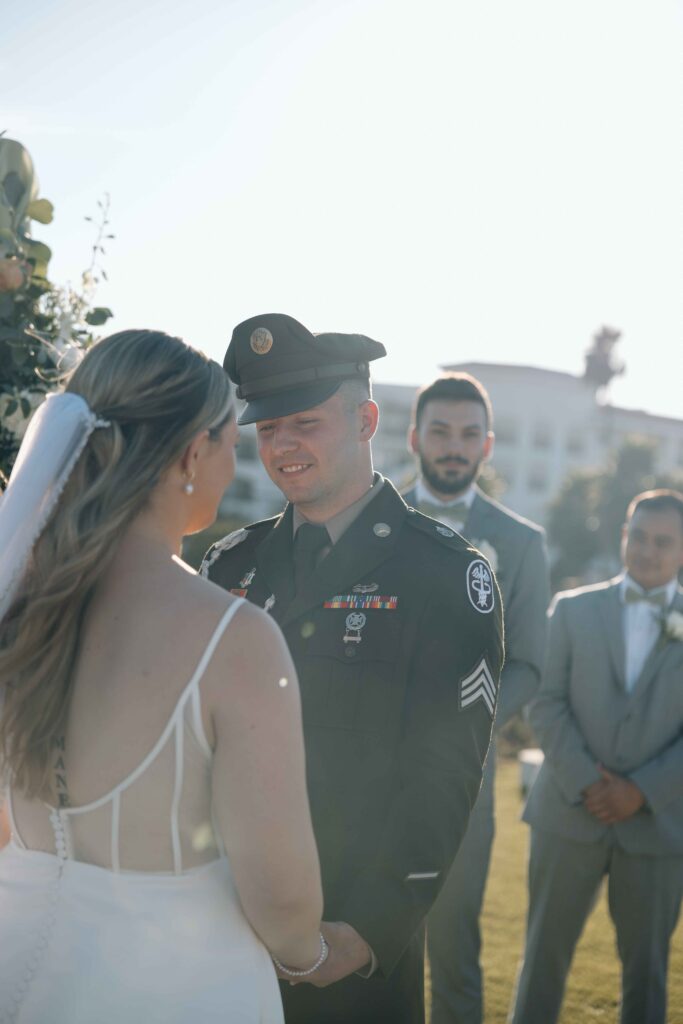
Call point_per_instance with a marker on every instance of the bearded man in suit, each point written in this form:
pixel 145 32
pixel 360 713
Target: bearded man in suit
pixel 452 436
pixel 609 797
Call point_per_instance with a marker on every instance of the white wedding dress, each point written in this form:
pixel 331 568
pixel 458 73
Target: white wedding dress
pixel 114 927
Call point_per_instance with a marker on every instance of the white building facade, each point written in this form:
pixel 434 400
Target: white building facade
pixel 547 424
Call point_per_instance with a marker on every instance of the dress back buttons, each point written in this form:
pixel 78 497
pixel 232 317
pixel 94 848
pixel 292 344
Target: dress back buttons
pixel 381 529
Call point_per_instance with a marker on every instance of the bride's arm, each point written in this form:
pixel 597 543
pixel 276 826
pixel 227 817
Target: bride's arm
pixel 259 787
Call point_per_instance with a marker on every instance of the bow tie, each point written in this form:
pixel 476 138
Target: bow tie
pixel 658 598
pixel 458 511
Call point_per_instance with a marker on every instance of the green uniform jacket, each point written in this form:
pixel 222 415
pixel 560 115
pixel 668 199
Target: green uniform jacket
pixel 397 711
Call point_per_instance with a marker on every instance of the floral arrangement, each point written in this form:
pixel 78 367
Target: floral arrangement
pixel 672 626
pixel 44 329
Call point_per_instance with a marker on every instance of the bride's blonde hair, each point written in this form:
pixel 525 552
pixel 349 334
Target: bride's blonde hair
pixel 157 393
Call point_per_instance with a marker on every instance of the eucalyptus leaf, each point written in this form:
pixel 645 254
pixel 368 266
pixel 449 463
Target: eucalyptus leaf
pixel 20 355
pixel 98 316
pixel 41 210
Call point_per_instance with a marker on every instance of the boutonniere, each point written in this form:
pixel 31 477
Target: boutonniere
pixel 488 551
pixel 672 626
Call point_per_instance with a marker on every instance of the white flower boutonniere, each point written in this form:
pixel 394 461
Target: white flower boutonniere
pixel 672 626
pixel 488 551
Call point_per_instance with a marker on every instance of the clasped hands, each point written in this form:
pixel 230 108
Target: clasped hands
pixel 348 953
pixel 613 798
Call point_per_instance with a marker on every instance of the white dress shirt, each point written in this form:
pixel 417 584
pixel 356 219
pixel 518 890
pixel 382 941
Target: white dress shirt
pixel 424 496
pixel 642 627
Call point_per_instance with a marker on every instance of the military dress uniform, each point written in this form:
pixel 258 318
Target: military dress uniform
pixel 396 635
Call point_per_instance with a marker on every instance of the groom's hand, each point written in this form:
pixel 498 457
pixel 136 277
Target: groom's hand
pixel 348 953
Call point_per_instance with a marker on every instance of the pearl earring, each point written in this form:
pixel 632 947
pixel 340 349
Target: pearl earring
pixel 189 486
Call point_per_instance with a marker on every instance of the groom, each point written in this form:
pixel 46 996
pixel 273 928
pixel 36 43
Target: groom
pixel 395 627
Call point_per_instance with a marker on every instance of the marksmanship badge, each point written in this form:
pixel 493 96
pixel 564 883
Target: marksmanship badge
pixel 479 685
pixel 480 586
pixel 354 624
pixel 261 341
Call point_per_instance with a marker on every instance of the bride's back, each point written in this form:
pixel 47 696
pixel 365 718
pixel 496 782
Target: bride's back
pixel 137 758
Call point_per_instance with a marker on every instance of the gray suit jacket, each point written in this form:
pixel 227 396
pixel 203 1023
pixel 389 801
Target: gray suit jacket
pixel 523 578
pixel 584 715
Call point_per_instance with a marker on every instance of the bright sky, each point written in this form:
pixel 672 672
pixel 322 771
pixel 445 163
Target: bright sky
pixel 460 180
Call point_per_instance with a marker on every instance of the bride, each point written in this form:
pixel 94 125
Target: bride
pixel 161 849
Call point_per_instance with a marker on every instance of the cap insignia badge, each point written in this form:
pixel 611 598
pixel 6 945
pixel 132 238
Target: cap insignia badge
pixel 261 341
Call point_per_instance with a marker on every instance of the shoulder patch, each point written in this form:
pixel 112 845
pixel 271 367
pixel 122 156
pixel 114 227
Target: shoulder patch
pixel 479 684
pixel 231 541
pixel 436 530
pixel 480 587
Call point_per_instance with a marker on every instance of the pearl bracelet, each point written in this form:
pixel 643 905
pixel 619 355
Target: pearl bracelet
pixel 293 972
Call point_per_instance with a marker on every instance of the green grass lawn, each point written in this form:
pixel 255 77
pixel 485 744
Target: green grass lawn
pixel 593 987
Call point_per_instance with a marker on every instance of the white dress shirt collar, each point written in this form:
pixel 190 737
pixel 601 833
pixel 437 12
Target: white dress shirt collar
pixel 424 496
pixel 627 583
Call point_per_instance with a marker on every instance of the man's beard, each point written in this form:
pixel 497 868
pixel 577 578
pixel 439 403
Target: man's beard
pixel 447 486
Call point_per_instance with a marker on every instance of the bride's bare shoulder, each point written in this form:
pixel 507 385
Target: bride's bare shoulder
pixel 207 597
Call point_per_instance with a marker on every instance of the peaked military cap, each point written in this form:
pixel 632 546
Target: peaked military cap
pixel 280 368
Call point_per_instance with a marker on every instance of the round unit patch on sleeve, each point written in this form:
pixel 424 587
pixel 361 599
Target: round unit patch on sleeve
pixel 480 589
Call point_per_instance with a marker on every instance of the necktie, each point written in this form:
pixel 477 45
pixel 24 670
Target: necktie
pixel 458 511
pixel 308 543
pixel 658 598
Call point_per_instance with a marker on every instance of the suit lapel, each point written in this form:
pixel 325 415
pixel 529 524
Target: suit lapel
pixel 474 527
pixel 410 497
pixel 657 655
pixel 274 561
pixel 354 556
pixel 614 631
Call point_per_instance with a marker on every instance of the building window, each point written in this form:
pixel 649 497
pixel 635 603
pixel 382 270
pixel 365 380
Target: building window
pixel 241 489
pixel 246 447
pixel 537 481
pixel 506 431
pixel 576 443
pixel 542 437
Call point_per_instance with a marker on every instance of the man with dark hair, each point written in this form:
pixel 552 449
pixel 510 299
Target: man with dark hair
pixel 609 797
pixel 394 625
pixel 452 435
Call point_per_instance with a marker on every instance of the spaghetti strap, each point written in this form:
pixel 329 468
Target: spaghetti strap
pixel 189 690
pixel 211 646
pixel 148 869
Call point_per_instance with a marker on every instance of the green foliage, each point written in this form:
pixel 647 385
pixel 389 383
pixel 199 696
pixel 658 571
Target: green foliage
pixel 44 329
pixel 491 482
pixel 585 521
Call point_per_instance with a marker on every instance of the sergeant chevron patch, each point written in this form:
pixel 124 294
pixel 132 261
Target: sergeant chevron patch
pixel 479 685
